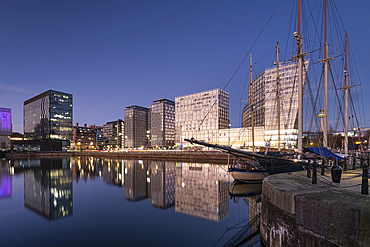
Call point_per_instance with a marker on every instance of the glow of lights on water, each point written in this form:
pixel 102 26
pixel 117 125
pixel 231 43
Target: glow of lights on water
pixel 156 167
pixel 55 203
pixel 99 173
pixel 142 166
pixel 148 180
pixel 108 168
pixel 183 184
pixel 140 162
pixel 216 182
pixel 147 172
pixel 125 170
pixel 12 170
pixel 119 176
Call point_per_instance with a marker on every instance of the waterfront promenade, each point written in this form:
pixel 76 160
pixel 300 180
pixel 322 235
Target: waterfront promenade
pixel 296 212
pixel 204 156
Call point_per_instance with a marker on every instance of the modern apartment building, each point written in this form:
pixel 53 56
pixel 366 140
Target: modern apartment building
pixel 137 126
pixel 201 115
pixel 5 128
pixel 266 107
pixel 113 133
pixel 48 116
pixel 162 123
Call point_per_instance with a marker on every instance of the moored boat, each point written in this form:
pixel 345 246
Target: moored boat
pixel 248 172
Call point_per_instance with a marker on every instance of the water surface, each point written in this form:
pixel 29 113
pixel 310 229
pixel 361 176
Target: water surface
pixel 104 202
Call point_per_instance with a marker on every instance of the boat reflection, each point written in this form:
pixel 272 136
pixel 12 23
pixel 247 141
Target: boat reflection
pixel 242 189
pixel 249 195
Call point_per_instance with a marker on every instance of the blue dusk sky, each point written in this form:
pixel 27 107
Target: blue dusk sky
pixel 114 54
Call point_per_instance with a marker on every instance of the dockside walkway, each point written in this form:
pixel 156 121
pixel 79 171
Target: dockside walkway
pixel 295 212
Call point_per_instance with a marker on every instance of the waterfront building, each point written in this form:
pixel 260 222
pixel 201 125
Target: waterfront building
pixel 5 128
pixel 137 126
pixel 201 115
pixel 84 137
pixel 48 116
pixel 162 123
pixel 113 133
pixel 99 136
pixel 265 110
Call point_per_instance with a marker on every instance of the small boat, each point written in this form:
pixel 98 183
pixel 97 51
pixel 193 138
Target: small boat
pixel 250 171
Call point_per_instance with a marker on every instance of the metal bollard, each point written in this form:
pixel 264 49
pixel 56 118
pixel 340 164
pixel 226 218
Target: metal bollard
pixel 314 173
pixel 353 161
pixel 323 166
pixel 308 170
pixel 365 181
pixel 336 174
pixel 361 162
pixel 345 163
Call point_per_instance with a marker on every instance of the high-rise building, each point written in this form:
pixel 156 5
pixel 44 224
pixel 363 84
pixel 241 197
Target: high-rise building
pixel 266 110
pixel 137 126
pixel 113 133
pixel 201 115
pixel 5 128
pixel 48 116
pixel 163 123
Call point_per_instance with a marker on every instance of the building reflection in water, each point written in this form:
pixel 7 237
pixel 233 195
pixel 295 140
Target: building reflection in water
pixel 5 179
pixel 162 184
pixel 195 189
pixel 48 191
pixel 202 190
pixel 137 180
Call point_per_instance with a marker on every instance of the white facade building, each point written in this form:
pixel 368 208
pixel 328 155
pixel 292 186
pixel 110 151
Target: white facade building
pixel 201 115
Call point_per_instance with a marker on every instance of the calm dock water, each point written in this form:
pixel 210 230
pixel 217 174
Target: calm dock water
pixel 86 201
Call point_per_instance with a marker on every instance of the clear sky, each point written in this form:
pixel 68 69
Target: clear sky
pixel 113 54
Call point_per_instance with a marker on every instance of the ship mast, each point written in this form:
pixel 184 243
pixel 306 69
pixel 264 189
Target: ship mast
pixel 278 93
pixel 300 83
pixel 326 64
pixel 252 103
pixel 346 88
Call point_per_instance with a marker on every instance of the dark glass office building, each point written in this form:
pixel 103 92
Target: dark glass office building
pixel 163 123
pixel 48 116
pixel 137 126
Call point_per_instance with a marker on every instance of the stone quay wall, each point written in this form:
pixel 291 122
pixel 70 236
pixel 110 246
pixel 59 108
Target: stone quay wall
pixel 294 212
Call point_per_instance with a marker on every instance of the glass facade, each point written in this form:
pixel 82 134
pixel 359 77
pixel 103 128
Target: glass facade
pixel 288 81
pixel 258 104
pixel 163 123
pixel 48 116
